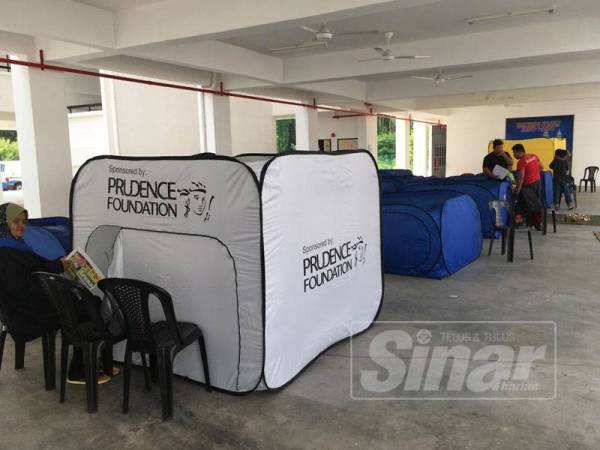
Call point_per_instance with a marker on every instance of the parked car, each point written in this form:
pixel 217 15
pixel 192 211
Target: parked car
pixel 12 184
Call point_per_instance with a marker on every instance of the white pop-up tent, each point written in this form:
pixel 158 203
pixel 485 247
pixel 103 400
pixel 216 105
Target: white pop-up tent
pixel 274 257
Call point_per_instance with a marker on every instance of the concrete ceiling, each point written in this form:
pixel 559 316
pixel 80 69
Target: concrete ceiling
pixel 187 40
pixel 117 5
pixel 418 23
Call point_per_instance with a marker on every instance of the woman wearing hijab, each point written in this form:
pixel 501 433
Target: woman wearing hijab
pixel 18 262
pixel 21 293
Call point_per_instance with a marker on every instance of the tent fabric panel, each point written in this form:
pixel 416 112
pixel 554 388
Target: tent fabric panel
pixel 395 173
pixel 101 246
pixel 209 196
pixel 480 196
pixel 322 255
pixel 427 200
pixel 256 161
pixel 461 233
pixel 388 187
pixel 411 241
pixel 431 218
pixel 207 296
pixel 547 191
pixel 500 189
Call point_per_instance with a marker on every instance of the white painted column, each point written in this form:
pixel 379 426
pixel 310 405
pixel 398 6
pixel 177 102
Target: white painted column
pixel 367 134
pixel 146 120
pixel 43 133
pixel 306 128
pixel 429 149
pixel 109 113
pixel 217 124
pixel 420 134
pixel 402 143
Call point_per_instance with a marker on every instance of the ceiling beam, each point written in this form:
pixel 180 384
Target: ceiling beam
pixel 59 19
pixel 354 89
pixel 556 74
pixel 218 57
pixel 210 19
pixel 589 92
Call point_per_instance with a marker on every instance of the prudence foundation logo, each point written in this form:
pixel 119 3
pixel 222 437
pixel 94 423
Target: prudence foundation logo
pixel 198 200
pixel 129 191
pixel 454 361
pixel 325 261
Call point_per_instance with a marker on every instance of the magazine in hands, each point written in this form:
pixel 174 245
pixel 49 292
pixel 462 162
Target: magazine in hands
pixel 83 269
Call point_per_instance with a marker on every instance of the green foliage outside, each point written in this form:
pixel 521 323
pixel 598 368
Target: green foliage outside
pixel 9 150
pixel 386 143
pixel 286 134
pixel 386 150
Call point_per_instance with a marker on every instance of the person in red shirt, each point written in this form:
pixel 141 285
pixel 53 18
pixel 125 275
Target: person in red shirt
pixel 528 187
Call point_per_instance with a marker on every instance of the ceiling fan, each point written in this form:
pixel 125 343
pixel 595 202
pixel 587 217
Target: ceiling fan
pixel 321 38
pixel 386 54
pixel 438 78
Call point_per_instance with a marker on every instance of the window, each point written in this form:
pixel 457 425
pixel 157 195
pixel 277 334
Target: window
pixel 286 134
pixel 386 143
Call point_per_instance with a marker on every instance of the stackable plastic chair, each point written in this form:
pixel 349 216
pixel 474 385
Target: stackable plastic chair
pixel 161 340
pixel 503 208
pixel 70 300
pixel 499 206
pixel 589 176
pixel 22 332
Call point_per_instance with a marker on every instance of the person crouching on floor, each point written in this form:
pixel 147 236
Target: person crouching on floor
pixel 528 187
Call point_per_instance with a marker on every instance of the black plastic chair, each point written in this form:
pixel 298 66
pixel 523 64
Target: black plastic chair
pixel 507 229
pixel 161 340
pixel 589 176
pixel 545 220
pixel 74 302
pixel 23 331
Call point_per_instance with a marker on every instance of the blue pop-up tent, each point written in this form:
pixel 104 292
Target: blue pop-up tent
pixel 481 189
pixel 395 173
pixel 501 190
pixel 430 234
pixel 480 195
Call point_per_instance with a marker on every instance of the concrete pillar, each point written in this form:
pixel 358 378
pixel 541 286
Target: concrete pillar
pixel 43 133
pixel 217 124
pixel 150 121
pixel 306 128
pixel 367 134
pixel 109 113
pixel 402 143
pixel 420 148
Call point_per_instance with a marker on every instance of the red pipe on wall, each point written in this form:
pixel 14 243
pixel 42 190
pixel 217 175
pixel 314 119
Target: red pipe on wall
pixel 43 66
